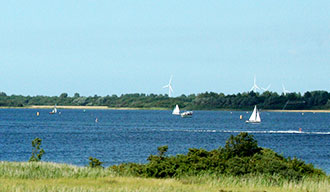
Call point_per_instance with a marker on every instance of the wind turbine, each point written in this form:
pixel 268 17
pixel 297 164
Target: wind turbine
pixel 266 89
pixel 284 90
pixel 255 86
pixel 169 86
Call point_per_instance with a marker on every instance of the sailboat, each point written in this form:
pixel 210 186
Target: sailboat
pixel 54 110
pixel 255 116
pixel 176 110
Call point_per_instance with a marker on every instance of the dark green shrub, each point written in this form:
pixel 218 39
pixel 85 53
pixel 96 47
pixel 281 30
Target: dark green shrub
pixel 242 145
pixel 267 162
pixel 237 166
pixel 240 156
pixel 95 163
pixel 37 151
pixel 162 150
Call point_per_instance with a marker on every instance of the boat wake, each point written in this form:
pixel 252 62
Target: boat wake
pixel 238 131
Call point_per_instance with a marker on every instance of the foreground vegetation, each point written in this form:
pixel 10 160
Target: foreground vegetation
pixel 239 157
pixel 241 165
pixel 202 101
pixel 41 176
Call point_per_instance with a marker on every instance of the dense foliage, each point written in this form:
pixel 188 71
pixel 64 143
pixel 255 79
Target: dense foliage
pixel 95 163
pixel 37 151
pixel 208 100
pixel 240 156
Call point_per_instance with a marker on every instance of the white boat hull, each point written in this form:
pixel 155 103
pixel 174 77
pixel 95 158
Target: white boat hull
pixel 247 121
pixel 186 114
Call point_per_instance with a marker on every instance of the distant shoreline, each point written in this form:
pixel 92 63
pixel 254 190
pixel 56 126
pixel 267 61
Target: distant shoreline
pixel 153 108
pixel 81 107
pixel 65 107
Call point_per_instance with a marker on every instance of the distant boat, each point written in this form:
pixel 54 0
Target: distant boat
pixel 54 110
pixel 255 116
pixel 176 110
pixel 187 114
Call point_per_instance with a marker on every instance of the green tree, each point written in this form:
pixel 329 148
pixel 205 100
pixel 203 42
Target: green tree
pixel 242 145
pixel 76 95
pixel 63 95
pixel 37 151
pixel 3 94
pixel 162 150
pixel 95 163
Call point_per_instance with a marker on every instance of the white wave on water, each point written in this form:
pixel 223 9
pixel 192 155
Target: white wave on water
pixel 238 131
pixel 286 132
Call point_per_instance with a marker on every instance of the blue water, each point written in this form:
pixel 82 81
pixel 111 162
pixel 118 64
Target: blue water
pixel 131 136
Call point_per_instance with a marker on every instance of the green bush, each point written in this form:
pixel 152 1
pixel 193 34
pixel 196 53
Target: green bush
pixel 37 151
pixel 95 163
pixel 240 156
pixel 242 145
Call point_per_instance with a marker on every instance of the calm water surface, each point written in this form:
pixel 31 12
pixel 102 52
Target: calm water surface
pixel 131 136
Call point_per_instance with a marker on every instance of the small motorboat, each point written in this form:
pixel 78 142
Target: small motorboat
pixel 187 114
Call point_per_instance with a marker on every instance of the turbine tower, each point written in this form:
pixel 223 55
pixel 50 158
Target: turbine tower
pixel 169 86
pixel 255 86
pixel 284 90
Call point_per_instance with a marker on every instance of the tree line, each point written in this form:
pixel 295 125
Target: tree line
pixel 201 101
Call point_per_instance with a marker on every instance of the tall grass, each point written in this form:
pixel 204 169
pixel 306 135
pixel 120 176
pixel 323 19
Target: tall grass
pixel 261 182
pixel 43 170
pixel 41 176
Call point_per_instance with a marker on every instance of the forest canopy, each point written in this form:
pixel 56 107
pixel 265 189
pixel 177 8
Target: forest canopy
pixel 201 101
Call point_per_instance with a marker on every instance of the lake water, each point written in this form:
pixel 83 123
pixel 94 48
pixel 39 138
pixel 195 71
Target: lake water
pixel 132 135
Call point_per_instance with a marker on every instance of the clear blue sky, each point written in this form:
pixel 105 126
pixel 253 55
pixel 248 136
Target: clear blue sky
pixel 114 47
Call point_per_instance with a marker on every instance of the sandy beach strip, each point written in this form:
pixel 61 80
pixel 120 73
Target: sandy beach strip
pixel 88 107
pixel 300 111
pixel 65 107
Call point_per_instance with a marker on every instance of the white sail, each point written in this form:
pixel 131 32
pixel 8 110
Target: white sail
pixel 255 117
pixel 176 110
pixel 258 116
pixel 54 110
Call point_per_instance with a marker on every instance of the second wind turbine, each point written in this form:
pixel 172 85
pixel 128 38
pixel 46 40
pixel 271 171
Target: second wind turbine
pixel 169 86
pixel 255 86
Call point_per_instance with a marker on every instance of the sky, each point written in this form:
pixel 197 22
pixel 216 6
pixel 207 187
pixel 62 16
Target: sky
pixel 118 47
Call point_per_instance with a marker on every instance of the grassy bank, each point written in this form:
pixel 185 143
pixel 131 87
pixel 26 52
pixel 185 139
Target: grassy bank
pixel 41 176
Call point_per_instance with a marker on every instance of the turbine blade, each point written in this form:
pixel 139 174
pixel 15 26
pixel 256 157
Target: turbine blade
pixel 170 80
pixel 266 89
pixel 170 87
pixel 165 86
